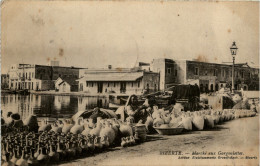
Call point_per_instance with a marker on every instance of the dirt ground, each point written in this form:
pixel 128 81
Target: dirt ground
pixel 240 136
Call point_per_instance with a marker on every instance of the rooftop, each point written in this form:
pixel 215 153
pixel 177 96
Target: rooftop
pixel 69 80
pixel 126 76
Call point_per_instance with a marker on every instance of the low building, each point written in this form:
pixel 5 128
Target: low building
pixel 124 81
pixel 66 85
pixel 4 81
pixel 39 77
pixel 209 76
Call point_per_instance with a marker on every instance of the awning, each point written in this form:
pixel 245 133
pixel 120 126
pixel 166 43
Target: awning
pixel 128 76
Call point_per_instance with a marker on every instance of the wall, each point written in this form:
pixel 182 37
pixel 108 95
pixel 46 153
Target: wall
pixel 151 79
pixel 251 94
pixel 57 82
pixel 222 76
pixel 47 85
pixel 64 72
pixel 113 86
pixel 161 66
pixel 158 65
pixel 64 87
pixel 169 72
pixel 4 81
pixel 43 72
pixel 181 67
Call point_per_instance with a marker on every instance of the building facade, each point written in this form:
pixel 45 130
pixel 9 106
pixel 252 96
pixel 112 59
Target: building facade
pixel 209 76
pixel 38 77
pixel 66 85
pixel 4 81
pixel 120 81
pixel 167 70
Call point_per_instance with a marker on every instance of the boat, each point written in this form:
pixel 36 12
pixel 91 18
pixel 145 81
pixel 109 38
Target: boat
pixel 23 92
pixel 114 106
pixel 20 92
pixel 161 101
pixel 9 91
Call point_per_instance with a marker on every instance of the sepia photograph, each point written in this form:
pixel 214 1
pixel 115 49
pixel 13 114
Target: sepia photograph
pixel 129 83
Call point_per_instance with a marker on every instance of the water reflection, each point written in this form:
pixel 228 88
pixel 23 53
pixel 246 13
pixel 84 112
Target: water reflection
pixel 49 105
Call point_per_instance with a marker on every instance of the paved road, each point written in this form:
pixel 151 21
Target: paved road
pixel 236 136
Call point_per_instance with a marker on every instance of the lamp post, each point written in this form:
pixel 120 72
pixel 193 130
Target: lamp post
pixel 233 50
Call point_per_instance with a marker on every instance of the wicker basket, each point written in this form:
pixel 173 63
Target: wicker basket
pixel 168 131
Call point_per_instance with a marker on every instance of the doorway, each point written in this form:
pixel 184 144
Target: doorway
pixel 37 86
pixel 201 88
pixel 99 87
pixel 64 87
pixel 211 88
pixel 245 88
pixel 216 87
pixel 81 87
pixel 122 87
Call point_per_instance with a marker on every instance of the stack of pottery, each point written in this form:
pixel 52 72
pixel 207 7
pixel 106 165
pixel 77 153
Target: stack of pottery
pixel 140 132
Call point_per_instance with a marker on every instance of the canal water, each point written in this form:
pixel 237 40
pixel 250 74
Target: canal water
pixel 49 106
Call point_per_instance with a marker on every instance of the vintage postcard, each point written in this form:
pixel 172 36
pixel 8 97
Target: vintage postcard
pixel 129 83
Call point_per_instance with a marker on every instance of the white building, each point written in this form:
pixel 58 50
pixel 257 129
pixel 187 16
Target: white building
pixel 66 85
pixel 124 81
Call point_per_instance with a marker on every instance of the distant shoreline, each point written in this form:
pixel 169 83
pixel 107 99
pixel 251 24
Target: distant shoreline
pixel 82 94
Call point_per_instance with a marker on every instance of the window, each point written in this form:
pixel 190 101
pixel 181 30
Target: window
pixel 29 75
pixel 242 74
pixel 250 75
pixel 92 84
pixel 169 70
pixel 132 84
pixel 114 84
pixel 86 84
pixel 26 75
pixel 176 73
pixel 215 72
pixel 206 72
pixel 108 84
pixel 223 73
pixel 230 73
pixel 138 84
pixel 196 71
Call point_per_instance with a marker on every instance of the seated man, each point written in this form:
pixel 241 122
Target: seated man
pixel 133 110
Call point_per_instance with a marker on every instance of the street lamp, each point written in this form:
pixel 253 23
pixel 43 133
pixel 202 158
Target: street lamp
pixel 233 50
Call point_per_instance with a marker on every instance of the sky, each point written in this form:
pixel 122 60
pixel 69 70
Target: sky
pixel 121 33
